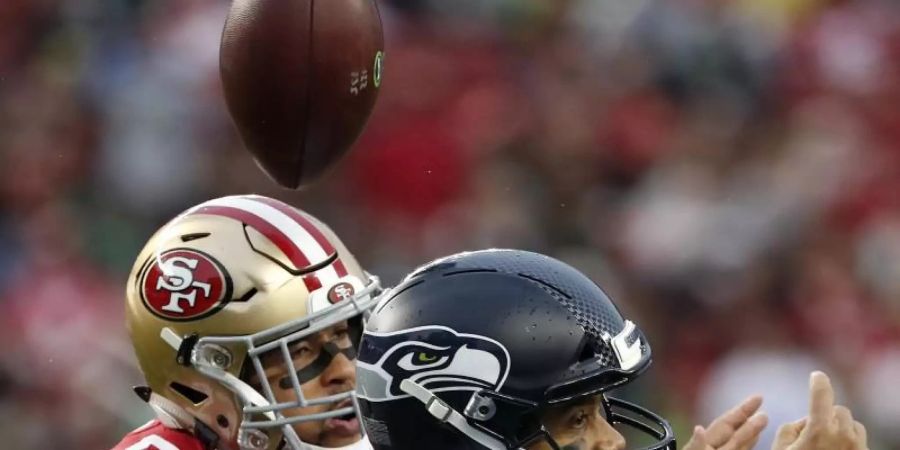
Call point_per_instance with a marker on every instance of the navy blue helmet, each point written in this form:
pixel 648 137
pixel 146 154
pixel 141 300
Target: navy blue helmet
pixel 469 351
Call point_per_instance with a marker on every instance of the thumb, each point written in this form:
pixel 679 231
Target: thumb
pixel 788 434
pixel 698 439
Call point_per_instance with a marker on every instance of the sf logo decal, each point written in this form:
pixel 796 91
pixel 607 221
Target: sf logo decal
pixel 340 292
pixel 184 284
pixel 177 278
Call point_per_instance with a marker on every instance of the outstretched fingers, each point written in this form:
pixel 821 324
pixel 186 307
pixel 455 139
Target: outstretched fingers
pixel 748 433
pixel 722 429
pixel 788 434
pixel 821 401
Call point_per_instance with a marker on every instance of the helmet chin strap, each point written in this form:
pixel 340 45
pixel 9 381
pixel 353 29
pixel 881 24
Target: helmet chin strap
pixel 246 394
pixel 362 444
pixel 446 414
pixel 170 414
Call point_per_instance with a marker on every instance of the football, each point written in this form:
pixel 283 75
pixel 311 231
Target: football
pixel 300 78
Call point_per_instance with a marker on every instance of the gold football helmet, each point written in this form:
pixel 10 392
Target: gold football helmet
pixel 220 285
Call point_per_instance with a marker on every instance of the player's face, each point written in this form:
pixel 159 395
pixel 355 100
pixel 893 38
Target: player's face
pixel 324 367
pixel 580 425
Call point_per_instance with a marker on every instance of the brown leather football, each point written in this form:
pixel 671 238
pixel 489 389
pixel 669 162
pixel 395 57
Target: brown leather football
pixel 300 79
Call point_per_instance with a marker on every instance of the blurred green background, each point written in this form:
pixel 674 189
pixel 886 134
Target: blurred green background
pixel 729 170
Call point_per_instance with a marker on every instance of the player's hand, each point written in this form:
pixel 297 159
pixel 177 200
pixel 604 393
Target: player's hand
pixel 827 427
pixel 737 429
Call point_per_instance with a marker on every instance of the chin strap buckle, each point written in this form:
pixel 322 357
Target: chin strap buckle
pixel 183 346
pixel 446 414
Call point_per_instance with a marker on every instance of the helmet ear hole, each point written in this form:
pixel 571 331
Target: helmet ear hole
pixel 194 396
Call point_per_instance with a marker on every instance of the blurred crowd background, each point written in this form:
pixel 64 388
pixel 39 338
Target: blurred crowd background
pixel 729 171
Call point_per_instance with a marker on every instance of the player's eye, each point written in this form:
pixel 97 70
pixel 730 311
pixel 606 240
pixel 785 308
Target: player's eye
pixel 580 419
pixel 301 352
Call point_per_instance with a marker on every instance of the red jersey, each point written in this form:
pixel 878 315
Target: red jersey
pixel 156 436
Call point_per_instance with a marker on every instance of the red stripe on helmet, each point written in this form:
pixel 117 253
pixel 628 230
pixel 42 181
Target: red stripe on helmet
pixel 310 228
pixel 272 233
pixel 339 267
pixel 312 282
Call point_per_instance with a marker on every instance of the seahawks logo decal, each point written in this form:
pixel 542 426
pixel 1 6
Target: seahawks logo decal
pixel 436 357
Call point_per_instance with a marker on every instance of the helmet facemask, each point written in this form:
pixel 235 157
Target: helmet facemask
pixel 264 423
